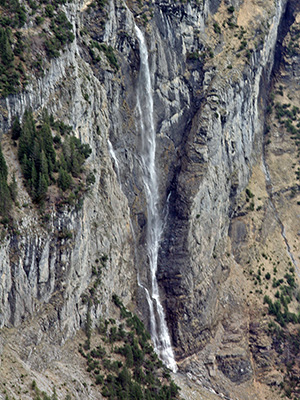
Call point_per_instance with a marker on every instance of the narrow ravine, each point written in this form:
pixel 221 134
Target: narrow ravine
pixel 269 188
pixel 158 327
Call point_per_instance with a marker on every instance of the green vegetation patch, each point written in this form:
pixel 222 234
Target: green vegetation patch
pixel 108 51
pixel 293 45
pixel 49 159
pixel 20 50
pixel 288 116
pixel 123 363
pixel 12 73
pixel 8 193
pixel 201 56
pixel 217 28
pixel 284 329
pixel 287 346
pixel 13 14
pixel 63 34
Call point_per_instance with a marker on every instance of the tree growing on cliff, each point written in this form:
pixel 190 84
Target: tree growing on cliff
pixel 48 160
pixel 16 129
pixel 5 196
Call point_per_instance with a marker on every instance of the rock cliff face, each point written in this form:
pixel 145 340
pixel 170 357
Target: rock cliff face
pixel 41 263
pixel 210 64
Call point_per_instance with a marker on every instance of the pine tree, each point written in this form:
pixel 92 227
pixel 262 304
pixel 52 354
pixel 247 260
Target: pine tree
pixel 128 355
pixel 36 154
pixel 75 165
pixel 13 188
pixel 42 189
pixel 63 163
pixel 67 152
pixel 47 145
pixel 3 167
pixel 5 198
pixel 33 181
pixel 44 167
pixel 135 391
pixel 7 54
pixel 16 129
pixel 64 179
pixel 26 167
pixel 51 120
pixel 28 134
pixel 124 379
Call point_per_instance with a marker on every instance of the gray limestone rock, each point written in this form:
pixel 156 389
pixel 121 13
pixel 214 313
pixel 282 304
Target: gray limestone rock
pixel 209 135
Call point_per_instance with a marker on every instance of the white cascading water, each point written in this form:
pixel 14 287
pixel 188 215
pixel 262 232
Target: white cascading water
pixel 158 326
pixel 114 157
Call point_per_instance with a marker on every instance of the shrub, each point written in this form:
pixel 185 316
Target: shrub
pixel 62 30
pixel 49 11
pixel 64 179
pixel 16 129
pixel 99 379
pixel 39 20
pixel 9 77
pixel 243 45
pixel 217 28
pixel 110 55
pixel 290 280
pixel 249 193
pixel 193 56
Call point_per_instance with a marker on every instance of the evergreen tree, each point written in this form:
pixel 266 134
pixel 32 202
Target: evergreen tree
pixel 63 163
pixel 44 167
pixel 5 198
pixel 16 129
pixel 124 379
pixel 27 136
pixel 6 52
pixel 42 188
pixel 33 182
pixel 26 167
pixel 28 122
pixel 36 154
pixel 75 169
pixel 64 179
pixel 47 144
pixel 51 120
pixel 67 152
pixel 135 392
pixel 3 167
pixel 13 188
pixel 129 356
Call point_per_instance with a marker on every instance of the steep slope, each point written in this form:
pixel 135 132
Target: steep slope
pixel 48 254
pixel 210 66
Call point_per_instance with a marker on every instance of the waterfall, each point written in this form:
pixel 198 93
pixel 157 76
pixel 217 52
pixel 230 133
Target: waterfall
pixel 158 327
pixel 114 157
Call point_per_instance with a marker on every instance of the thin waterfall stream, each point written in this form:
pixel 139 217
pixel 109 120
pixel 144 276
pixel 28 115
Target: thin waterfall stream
pixel 115 159
pixel 158 326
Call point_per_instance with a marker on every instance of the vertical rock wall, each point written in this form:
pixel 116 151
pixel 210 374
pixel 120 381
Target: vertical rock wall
pixel 50 261
pixel 209 135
